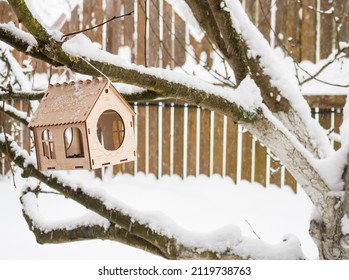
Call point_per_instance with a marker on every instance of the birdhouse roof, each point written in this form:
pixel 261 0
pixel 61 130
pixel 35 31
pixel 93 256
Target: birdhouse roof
pixel 69 103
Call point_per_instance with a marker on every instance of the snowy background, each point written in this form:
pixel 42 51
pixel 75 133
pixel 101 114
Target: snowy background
pixel 196 204
pixel 201 205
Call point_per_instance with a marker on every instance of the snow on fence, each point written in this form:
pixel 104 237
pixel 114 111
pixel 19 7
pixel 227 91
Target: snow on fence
pixel 187 140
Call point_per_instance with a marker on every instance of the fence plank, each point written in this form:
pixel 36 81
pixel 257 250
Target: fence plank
pixel 154 37
pixel 92 15
pixel 326 30
pixel 280 24
pixel 166 124
pixel 308 31
pixel 342 13
pixel 167 36
pixel 73 24
pixel 178 142
pixel 251 9
pixel 141 139
pixel 288 26
pixel 232 132
pixel 179 43
pixel 260 164
pixel 141 31
pixel 246 156
pixel 6 15
pixel 191 158
pixel 218 144
pixel 205 142
pixel 129 27
pixel 290 181
pixel 337 123
pixel 264 18
pixel 293 28
pixel 153 140
pixel 275 171
pixel 325 119
pixel 114 28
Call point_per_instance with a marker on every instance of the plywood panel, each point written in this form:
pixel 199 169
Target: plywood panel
pixel 141 139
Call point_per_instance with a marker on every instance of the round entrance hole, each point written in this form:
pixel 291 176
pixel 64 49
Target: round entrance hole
pixel 110 130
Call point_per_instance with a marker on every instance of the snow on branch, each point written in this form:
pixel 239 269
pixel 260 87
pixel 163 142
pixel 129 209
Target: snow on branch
pixel 19 34
pixel 79 54
pixel 88 227
pixel 154 228
pixel 15 113
pixel 243 104
pixel 279 89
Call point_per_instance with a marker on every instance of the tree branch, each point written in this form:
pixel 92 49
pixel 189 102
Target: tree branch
pixel 139 77
pixel 141 232
pixel 169 247
pixel 50 234
pixel 10 94
pixel 260 126
pixel 25 16
pixel 23 46
pixel 277 101
pixel 217 32
pixel 14 113
pixel 20 95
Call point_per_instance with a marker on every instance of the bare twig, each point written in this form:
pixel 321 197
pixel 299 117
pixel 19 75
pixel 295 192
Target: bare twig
pixel 311 77
pixel 98 25
pixel 252 229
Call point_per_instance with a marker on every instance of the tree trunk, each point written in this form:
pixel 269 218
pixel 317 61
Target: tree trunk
pixel 327 231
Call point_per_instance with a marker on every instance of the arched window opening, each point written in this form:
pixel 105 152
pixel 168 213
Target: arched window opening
pixel 110 130
pixel 48 145
pixel 73 143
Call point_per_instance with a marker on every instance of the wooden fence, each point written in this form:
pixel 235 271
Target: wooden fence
pixel 187 140
pixel 182 139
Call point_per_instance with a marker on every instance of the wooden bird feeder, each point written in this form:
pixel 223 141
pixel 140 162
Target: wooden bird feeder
pixel 83 125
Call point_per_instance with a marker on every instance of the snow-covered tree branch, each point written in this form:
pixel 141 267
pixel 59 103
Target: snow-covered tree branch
pixel 267 101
